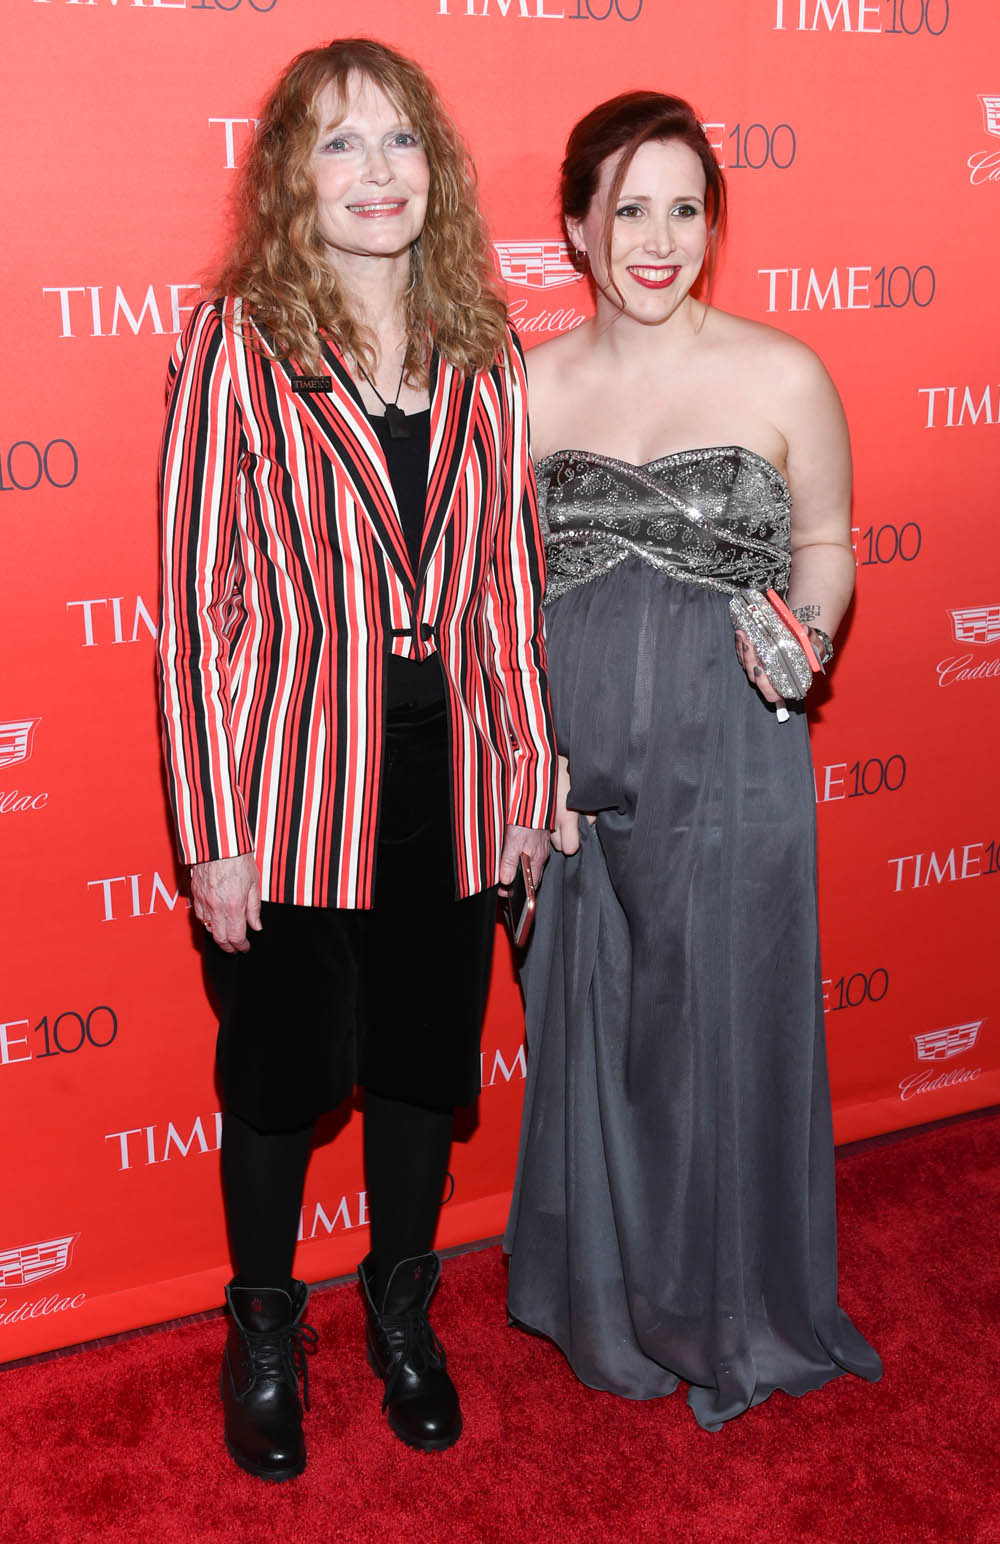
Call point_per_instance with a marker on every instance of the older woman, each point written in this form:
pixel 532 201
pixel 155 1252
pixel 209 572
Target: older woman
pixel 674 1216
pixel 354 700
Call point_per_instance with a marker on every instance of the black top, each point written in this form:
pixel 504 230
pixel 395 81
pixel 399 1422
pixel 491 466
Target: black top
pixel 410 683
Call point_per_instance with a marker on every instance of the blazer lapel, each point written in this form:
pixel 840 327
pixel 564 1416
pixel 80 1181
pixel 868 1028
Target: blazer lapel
pixel 453 402
pixel 338 420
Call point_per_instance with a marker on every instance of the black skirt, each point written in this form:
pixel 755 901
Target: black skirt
pixel 391 998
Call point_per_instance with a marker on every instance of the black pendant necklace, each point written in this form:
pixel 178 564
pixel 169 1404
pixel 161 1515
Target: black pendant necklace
pixel 399 429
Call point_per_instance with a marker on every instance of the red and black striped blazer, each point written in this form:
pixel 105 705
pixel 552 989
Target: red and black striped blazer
pixel 286 581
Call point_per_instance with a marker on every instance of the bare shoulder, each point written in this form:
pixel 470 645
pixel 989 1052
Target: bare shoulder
pixel 547 361
pixel 786 378
pixel 554 404
pixel 759 346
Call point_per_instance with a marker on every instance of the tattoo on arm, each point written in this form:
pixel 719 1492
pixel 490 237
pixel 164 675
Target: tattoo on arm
pixel 806 614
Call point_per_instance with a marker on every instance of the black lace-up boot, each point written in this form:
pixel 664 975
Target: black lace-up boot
pixel 264 1359
pixel 406 1354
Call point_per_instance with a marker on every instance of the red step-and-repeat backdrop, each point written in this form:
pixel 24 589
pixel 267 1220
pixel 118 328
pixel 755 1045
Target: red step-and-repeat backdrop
pixel 861 139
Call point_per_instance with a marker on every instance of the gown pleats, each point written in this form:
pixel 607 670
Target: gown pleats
pixel 674 1215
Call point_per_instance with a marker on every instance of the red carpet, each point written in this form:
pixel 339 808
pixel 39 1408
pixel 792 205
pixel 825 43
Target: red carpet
pixel 122 1443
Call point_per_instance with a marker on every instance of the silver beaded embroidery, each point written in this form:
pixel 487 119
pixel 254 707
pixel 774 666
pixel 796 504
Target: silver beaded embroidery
pixel 719 517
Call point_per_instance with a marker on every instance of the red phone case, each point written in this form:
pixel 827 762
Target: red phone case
pixel 520 924
pixel 796 629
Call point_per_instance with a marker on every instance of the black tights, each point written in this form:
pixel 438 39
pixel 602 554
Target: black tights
pixel 263 1174
pixel 406 1160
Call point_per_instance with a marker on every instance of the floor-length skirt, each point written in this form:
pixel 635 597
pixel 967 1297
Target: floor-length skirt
pixel 674 1213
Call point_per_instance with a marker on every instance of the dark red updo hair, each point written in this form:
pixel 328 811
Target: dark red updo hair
pixel 623 124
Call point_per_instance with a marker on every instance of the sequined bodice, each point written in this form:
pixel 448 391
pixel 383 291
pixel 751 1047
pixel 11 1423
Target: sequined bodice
pixel 718 517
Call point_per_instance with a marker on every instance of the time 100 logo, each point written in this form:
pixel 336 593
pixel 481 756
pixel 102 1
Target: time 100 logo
pixel 24 465
pixel 601 10
pixel 545 10
pixel 66 1034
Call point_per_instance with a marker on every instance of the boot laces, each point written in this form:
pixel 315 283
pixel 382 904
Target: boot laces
pixel 282 1354
pixel 412 1343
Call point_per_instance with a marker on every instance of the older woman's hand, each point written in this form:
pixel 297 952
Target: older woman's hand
pixel 535 846
pixel 226 897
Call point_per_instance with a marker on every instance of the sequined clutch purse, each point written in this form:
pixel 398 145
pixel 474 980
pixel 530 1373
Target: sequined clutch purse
pixel 781 642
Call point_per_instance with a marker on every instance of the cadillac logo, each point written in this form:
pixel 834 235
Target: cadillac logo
pixel 32 1262
pixel 991 114
pixel 535 264
pixel 976 624
pixel 942 1044
pixel 16 735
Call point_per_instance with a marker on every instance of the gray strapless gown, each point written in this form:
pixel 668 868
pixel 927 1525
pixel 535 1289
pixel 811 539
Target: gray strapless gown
pixel 673 1215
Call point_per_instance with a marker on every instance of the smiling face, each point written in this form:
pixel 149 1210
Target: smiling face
pixel 371 176
pixel 659 231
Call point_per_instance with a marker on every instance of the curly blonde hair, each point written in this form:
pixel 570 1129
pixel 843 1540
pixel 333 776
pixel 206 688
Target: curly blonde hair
pixel 277 263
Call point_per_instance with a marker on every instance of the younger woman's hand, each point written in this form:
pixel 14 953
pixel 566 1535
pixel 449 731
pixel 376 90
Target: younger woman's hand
pixel 566 831
pixel 756 674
